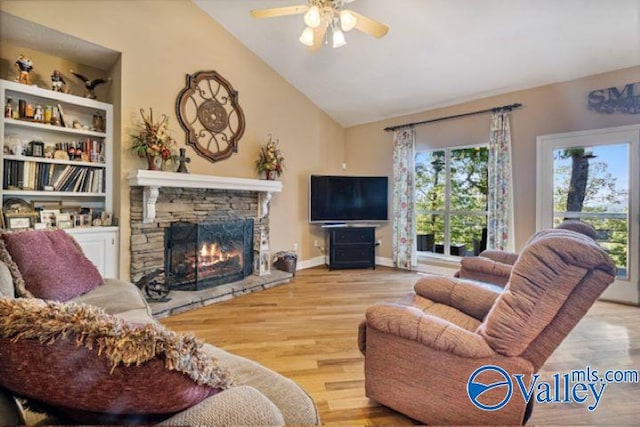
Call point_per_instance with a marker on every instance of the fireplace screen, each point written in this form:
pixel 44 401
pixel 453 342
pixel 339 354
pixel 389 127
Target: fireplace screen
pixel 207 254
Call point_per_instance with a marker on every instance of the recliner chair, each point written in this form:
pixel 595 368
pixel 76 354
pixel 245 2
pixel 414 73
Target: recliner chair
pixel 421 352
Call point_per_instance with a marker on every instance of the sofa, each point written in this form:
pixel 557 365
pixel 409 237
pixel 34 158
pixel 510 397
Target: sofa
pixel 38 334
pixel 422 353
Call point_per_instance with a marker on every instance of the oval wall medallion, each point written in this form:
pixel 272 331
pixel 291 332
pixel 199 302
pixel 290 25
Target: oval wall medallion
pixel 209 113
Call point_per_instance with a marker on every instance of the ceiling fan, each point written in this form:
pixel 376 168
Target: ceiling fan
pixel 320 16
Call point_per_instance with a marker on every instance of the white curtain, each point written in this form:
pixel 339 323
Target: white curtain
pixel 500 203
pixel 404 223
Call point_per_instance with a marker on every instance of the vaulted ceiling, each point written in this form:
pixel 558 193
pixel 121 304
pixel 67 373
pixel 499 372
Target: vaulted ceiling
pixel 439 52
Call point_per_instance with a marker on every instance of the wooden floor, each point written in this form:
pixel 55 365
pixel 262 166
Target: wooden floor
pixel 307 330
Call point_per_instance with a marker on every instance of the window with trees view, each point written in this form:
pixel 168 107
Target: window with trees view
pixel 451 200
pixel 592 184
pixel 594 176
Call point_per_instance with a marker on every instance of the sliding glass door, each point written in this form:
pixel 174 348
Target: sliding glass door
pixel 593 176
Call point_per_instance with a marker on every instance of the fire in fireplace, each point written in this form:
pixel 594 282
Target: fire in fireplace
pixel 207 254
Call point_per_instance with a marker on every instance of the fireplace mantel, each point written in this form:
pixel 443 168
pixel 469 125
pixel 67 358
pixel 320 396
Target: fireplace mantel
pixel 152 181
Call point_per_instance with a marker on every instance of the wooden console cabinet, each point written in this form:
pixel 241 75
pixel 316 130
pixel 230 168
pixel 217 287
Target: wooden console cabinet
pixel 351 247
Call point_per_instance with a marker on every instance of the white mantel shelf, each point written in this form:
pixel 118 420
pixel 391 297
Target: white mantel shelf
pixel 152 181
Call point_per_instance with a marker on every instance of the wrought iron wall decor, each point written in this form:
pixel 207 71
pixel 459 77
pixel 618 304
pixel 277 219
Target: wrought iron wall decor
pixel 209 113
pixel 612 99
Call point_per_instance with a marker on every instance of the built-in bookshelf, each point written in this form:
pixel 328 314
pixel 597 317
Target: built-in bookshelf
pixel 57 161
pixel 56 148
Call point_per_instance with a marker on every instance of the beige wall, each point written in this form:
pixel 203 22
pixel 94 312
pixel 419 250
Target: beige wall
pixel 163 40
pixel 548 109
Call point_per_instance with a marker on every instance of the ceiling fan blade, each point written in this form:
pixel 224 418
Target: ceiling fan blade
pixel 369 26
pixel 279 11
pixel 318 38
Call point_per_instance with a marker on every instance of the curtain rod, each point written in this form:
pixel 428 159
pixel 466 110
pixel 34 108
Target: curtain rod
pixel 439 119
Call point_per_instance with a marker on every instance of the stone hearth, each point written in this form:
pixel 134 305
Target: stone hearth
pixel 182 301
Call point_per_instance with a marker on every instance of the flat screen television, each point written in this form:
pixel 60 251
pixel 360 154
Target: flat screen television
pixel 337 199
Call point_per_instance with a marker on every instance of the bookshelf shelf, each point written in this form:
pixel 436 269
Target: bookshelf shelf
pixel 68 183
pixel 23 193
pixel 50 128
pixel 53 161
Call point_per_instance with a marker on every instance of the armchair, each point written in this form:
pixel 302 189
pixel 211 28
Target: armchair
pixel 420 352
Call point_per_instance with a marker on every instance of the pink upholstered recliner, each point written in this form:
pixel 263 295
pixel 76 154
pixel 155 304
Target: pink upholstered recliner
pixel 494 266
pixel 420 352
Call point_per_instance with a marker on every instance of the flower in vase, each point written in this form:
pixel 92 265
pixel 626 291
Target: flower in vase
pixel 270 158
pixel 153 139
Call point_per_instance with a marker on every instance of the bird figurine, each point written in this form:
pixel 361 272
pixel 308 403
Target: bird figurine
pixel 89 85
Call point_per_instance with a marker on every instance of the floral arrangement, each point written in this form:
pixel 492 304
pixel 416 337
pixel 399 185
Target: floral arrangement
pixel 270 158
pixel 153 139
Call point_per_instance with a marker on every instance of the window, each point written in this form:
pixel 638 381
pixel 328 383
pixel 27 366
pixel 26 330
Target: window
pixel 593 176
pixel 451 200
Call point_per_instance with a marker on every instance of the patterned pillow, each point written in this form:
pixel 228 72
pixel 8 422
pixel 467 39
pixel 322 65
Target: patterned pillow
pixel 94 367
pixel 51 264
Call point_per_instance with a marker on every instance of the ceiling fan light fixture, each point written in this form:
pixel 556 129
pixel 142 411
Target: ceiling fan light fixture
pixel 347 20
pixel 312 17
pixel 338 38
pixel 306 38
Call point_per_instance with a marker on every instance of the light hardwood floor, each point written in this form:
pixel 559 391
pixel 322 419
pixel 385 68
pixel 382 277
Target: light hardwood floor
pixel 307 331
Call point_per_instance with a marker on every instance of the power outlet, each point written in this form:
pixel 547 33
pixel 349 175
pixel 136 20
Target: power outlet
pixel 378 243
pixel 295 247
pixel 316 244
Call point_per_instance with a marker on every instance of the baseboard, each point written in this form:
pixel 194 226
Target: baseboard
pixel 383 261
pixel 319 260
pixel 423 267
pixel 310 263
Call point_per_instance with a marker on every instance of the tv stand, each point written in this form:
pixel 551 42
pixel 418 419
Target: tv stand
pixel 350 247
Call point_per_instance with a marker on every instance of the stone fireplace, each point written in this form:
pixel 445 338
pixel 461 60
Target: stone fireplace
pixel 161 199
pixel 210 253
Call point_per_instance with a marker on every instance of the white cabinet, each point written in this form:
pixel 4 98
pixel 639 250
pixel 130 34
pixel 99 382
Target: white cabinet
pixel 66 165
pixel 100 245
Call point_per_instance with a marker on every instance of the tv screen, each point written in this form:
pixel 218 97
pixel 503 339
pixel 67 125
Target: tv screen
pixel 348 198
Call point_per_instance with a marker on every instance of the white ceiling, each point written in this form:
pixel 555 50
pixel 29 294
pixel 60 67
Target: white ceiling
pixel 440 52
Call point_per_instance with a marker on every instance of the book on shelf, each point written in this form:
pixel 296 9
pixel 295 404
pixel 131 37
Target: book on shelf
pixel 61 176
pixel 61 114
pixel 70 182
pixel 31 183
pixel 78 182
pixel 5 174
pixel 18 175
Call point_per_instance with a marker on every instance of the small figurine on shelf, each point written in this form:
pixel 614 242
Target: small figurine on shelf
pixel 25 66
pixel 8 109
pixel 89 85
pixel 57 82
pixel 98 123
pixel 38 114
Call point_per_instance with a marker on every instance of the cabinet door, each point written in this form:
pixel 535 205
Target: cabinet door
pixel 100 248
